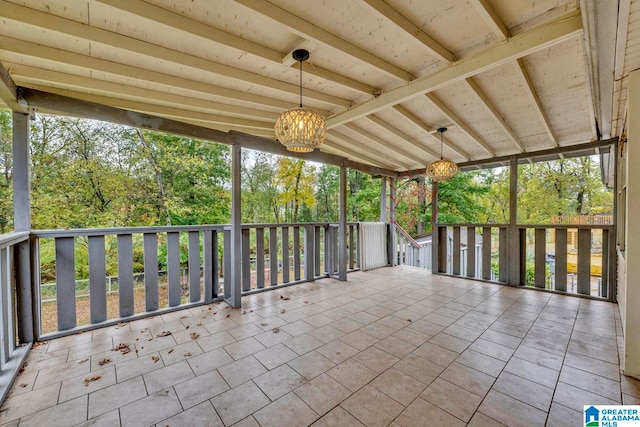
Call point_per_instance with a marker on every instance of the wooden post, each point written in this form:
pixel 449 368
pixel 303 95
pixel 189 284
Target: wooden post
pixel 513 254
pixel 235 276
pixel 383 199
pixel 434 227
pixel 393 244
pixel 342 226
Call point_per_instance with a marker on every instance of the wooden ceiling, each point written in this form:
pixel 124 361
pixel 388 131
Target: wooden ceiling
pixel 507 77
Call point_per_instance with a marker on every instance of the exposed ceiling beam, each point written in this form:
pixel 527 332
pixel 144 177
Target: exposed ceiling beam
pixel 212 34
pixel 347 146
pixel 541 37
pixel 384 148
pixel 27 75
pixel 531 93
pixel 91 110
pixel 9 93
pixel 184 85
pixel 82 31
pixel 485 102
pixel 464 127
pixel 431 131
pixel 618 70
pixel 404 138
pixel 490 16
pixel 309 31
pixel 436 49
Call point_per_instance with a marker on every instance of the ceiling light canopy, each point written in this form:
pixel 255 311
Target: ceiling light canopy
pixel 442 170
pixel 298 129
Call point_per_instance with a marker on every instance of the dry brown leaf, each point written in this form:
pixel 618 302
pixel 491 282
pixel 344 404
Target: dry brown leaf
pixel 210 308
pixel 264 324
pixel 39 343
pixel 276 330
pixel 194 335
pixel 163 334
pixel 183 317
pixel 83 360
pixel 409 320
pixel 123 348
pixel 171 351
pixel 227 316
pixel 306 302
pixel 198 324
pixel 244 312
pixel 155 359
pixel 283 311
pixel 187 355
pixel 88 380
pixel 104 361
pixel 23 385
pixel 284 298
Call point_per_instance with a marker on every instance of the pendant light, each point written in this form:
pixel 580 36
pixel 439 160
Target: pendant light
pixel 442 170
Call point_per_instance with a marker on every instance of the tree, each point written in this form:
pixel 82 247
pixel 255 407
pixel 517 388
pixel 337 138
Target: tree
pixel 6 172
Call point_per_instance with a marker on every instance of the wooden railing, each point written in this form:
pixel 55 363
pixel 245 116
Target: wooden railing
pixel 196 258
pixel 576 259
pixel 409 252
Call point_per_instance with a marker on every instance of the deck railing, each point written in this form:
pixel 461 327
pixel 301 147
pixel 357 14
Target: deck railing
pixel 196 258
pixel 577 259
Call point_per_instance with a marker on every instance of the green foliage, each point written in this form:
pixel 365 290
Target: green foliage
pixel 459 198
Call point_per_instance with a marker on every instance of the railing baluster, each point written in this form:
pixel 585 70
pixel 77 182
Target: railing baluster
pixel 358 246
pixel 584 261
pixel 456 250
pixel 316 251
pixel 5 283
pixel 471 252
pixel 226 263
pixel 486 253
pixel 125 275
pixel 540 257
pixel 260 257
pixel 285 254
pixel 309 256
pixel 209 255
pixel 273 255
pixel 296 253
pixel 604 260
pixel 194 266
pixel 150 247
pixel 560 271
pixel 65 283
pixel 246 257
pixel 351 248
pixel 173 268
pixel 328 258
pixel 502 254
pixel 97 279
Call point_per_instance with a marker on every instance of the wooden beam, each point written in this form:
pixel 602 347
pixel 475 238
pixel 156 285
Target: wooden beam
pixel 82 31
pixel 492 19
pixel 381 147
pixel 404 137
pixel 388 12
pixel 464 127
pixel 531 93
pixel 493 112
pixel 212 34
pixel 91 110
pixel 9 92
pixel 309 31
pixel 350 148
pixel 539 38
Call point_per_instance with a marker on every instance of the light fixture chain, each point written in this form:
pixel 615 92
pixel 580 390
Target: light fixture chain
pixel 300 83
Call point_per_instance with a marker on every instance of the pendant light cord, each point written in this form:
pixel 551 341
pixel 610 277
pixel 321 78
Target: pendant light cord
pixel 300 84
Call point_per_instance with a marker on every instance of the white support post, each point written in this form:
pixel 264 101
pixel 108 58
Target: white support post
pixel 435 248
pixel 342 226
pixel 513 254
pixel 630 301
pixel 393 244
pixel 21 166
pixel 235 288
pixel 383 199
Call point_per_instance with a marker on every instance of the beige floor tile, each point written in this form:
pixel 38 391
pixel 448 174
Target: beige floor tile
pixel 167 377
pixel 24 404
pixel 138 366
pixel 156 344
pixel 423 413
pixel 62 372
pixel 436 354
pixel 372 407
pixel 412 336
pixel 573 397
pixel 323 393
pixel 209 361
pixel 180 352
pixel 217 340
pixel 297 328
pixel 421 369
pixel 109 419
pixel 115 396
pixel 453 399
pixel 352 374
pixel 245 331
pixel 468 378
pixel 377 330
pixel 273 337
pixel 524 390
pixel 561 416
pixel 338 417
pixel 240 402
pixel 376 359
pixel 532 371
pixel 243 348
pixel 346 325
pixel 77 386
pixel 68 413
pixel 450 342
pixel 202 415
pixel 481 362
pixel 595 366
pixel 247 422
pixel 311 364
pixel 200 388
pixel 591 382
pixel 288 411
pixel 400 387
pixel 275 356
pixel 481 420
pixel 510 411
pixel 151 409
pixel 359 340
pixel 318 320
pixel 337 351
pixel 220 325
pixel 193 333
pixel 630 386
pixel 492 349
pixel 278 382
pixel 115 357
pixel 498 337
pixel 627 399
pixel 395 346
pixel 241 370
pixel 326 333
pixel 303 344
pixel 90 348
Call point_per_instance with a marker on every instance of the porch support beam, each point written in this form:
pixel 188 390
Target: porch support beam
pixel 383 199
pixel 235 289
pixel 513 256
pixel 75 107
pixel 342 227
pixel 435 244
pixel 393 249
pixel 9 91
pixel 21 166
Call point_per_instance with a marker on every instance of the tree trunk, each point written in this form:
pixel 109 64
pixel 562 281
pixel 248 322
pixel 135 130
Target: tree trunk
pixel 158 172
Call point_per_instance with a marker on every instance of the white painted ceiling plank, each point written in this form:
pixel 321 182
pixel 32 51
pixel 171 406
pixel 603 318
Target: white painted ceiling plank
pixel 490 16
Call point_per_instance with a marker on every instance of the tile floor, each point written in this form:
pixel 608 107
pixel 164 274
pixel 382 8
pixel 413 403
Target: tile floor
pixel 390 347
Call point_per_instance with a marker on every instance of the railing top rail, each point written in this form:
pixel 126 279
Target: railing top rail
pixel 9 239
pixel 408 236
pixel 471 224
pixel 125 230
pixel 568 226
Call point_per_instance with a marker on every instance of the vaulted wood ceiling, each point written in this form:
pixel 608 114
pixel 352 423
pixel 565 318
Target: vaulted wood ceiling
pixel 505 76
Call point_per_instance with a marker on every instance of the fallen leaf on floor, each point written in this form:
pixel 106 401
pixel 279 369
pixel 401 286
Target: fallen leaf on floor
pixel 163 334
pixel 284 298
pixel 38 344
pixel 183 317
pixel 23 385
pixel 88 380
pixel 198 324
pixel 123 348
pixel 194 335
pixel 244 312
pixel 83 360
pixel 187 355
pixel 276 330
pixel 171 351
pixel 306 302
pixel 227 316
pixel 210 308
pixel 264 324
pixel 155 358
pixel 121 324
pixel 104 361
pixel 22 368
pixel 283 311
